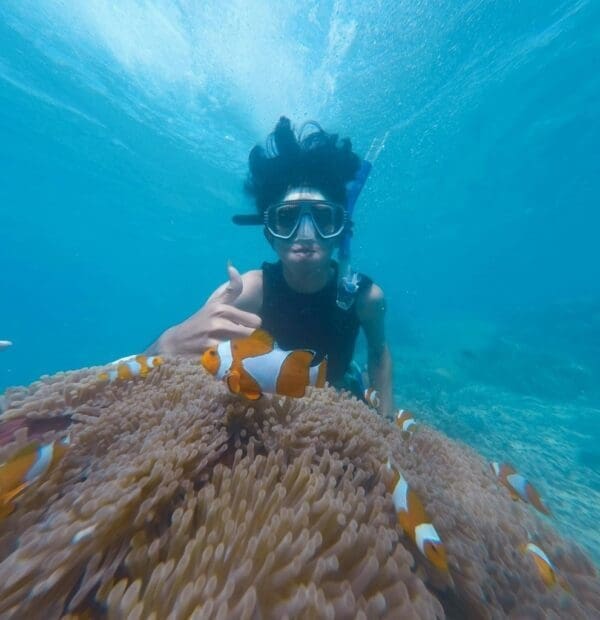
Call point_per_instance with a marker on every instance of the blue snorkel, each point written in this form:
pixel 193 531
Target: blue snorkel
pixel 348 279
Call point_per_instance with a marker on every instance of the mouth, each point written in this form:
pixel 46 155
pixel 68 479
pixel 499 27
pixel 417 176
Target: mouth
pixel 303 251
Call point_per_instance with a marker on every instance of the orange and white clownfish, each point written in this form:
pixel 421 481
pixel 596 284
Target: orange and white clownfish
pixel 518 486
pixel 546 569
pixel 371 396
pixel 26 467
pixel 405 421
pixel 414 520
pixel 132 366
pixel 254 365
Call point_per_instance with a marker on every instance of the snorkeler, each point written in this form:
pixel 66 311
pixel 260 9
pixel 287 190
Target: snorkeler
pixel 299 185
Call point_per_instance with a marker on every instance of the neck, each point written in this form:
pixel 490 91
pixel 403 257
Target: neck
pixel 308 281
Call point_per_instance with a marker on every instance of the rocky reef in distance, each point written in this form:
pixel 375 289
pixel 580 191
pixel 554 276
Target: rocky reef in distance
pixel 525 390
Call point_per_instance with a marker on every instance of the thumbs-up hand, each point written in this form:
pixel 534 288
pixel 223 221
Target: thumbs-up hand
pixel 233 288
pixel 219 319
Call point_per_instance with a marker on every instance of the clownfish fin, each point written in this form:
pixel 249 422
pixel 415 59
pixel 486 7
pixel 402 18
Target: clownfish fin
pixel 257 343
pixel 251 394
pixel 321 374
pixel 535 500
pixel 260 335
pixel 233 381
pixel 563 583
pixel 435 552
pixel 240 383
pixel 9 495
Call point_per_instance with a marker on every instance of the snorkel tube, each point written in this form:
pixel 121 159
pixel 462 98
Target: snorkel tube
pixel 348 279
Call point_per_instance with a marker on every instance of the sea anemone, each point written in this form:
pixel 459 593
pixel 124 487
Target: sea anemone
pixel 177 499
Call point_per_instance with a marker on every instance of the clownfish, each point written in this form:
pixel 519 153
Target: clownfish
pixel 414 520
pixel 518 486
pixel 371 397
pixel 26 467
pixel 405 421
pixel 254 365
pixel 546 569
pixel 133 366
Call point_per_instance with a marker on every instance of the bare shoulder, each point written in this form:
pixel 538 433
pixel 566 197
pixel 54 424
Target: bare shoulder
pixel 252 281
pixel 371 304
pixel 253 278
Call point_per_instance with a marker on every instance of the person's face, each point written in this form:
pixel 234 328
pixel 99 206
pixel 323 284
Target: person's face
pixel 306 249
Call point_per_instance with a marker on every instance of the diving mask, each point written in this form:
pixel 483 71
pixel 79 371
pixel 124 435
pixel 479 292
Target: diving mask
pixel 283 218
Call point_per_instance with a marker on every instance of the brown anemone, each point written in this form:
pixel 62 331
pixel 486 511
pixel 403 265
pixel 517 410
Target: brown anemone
pixel 177 499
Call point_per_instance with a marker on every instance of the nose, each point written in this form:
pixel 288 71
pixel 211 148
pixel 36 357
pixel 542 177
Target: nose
pixel 306 229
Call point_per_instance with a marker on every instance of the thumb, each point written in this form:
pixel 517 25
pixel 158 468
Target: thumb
pixel 234 287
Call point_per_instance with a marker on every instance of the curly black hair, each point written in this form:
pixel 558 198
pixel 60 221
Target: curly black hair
pixel 312 157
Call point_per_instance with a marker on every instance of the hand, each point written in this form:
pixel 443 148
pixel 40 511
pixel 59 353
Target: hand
pixel 216 321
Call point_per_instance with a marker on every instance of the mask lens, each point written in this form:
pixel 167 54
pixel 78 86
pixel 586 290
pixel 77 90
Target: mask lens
pixel 328 218
pixel 282 219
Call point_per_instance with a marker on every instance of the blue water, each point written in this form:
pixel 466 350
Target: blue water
pixel 125 132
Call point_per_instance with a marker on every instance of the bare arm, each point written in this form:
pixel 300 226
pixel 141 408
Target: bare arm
pixel 230 312
pixel 371 312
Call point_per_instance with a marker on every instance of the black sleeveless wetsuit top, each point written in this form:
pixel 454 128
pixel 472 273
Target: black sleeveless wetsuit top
pixel 311 320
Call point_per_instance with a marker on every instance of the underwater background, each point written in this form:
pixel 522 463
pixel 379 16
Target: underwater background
pixel 125 129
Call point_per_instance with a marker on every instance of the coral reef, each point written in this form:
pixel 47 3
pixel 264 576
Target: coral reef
pixel 451 380
pixel 177 499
